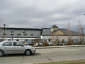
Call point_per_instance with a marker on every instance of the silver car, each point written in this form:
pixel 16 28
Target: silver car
pixel 15 47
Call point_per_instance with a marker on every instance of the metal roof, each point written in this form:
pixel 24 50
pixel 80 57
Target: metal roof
pixel 21 28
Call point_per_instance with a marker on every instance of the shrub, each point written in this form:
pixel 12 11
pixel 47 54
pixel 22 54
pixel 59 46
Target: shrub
pixel 69 42
pixel 45 44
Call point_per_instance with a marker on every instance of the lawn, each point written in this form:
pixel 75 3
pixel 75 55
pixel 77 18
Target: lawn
pixel 67 62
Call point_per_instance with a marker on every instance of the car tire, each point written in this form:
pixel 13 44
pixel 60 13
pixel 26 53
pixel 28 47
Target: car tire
pixel 28 52
pixel 1 53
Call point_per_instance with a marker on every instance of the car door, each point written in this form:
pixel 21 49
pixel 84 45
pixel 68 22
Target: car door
pixel 18 47
pixel 8 47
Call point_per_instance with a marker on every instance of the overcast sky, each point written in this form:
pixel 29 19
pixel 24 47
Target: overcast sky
pixel 41 13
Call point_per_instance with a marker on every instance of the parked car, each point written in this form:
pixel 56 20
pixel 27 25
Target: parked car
pixel 15 47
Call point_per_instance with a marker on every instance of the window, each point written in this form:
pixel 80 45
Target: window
pixel 7 44
pixel 17 44
pixel 25 34
pixel 31 34
pixel 4 34
pixel 19 34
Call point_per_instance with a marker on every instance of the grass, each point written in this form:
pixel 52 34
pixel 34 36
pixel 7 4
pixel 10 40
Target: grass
pixel 67 62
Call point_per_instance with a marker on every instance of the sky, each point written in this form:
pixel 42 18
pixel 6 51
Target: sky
pixel 41 13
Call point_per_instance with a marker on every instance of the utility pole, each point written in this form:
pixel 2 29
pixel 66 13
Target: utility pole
pixel 4 30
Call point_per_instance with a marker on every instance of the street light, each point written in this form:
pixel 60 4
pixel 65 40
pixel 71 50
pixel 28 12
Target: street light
pixel 4 30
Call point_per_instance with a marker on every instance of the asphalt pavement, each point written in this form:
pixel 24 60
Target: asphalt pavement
pixel 46 55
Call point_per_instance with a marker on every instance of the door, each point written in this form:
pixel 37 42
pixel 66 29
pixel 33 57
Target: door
pixel 8 47
pixel 18 47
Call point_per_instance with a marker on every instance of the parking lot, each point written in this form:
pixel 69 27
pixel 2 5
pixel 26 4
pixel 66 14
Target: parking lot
pixel 46 55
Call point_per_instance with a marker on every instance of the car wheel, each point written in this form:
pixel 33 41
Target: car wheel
pixel 28 53
pixel 1 53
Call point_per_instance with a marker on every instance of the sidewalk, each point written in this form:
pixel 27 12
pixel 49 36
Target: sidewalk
pixel 47 47
pixel 76 45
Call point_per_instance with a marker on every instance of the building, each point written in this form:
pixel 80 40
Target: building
pixel 23 33
pixel 60 34
pixel 36 33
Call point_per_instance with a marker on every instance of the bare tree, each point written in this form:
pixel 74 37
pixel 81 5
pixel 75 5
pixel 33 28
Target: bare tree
pixel 69 34
pixel 81 32
pixel 53 35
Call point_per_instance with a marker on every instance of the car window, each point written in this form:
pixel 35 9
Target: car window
pixel 7 44
pixel 17 44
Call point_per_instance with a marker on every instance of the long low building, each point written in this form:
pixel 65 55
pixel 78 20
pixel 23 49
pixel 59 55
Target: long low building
pixel 33 33
pixel 20 32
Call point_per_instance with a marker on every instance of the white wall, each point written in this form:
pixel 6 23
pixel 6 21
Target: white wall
pixel 60 37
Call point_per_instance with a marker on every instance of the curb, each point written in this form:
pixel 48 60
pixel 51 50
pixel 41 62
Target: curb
pixel 48 47
pixel 76 45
